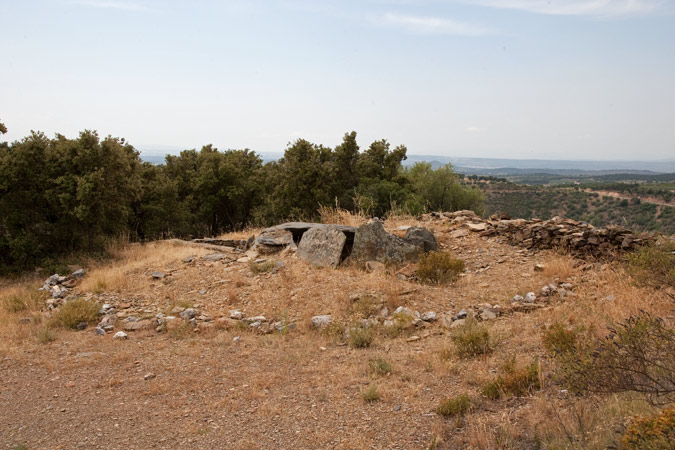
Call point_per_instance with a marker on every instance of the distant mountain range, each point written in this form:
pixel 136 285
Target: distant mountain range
pixel 499 166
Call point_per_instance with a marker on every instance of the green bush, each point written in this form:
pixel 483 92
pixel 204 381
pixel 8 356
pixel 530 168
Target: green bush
pixel 361 336
pixel 439 268
pixel 471 339
pixel 558 339
pixel 371 395
pixel 653 265
pixel 516 381
pixel 74 312
pixel 380 366
pixel 456 406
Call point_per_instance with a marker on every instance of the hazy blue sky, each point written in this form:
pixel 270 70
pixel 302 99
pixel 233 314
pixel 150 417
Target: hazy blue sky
pixel 550 79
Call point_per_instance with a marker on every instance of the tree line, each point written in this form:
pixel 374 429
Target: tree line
pixel 60 195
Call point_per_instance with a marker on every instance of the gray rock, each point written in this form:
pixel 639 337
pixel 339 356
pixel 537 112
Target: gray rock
pixel 487 314
pixel 517 298
pixel 149 376
pixel 78 274
pixel 273 240
pixel 121 335
pixel 322 247
pixel 99 331
pixel 188 314
pixel 458 323
pixel 236 314
pixel 158 275
pixel 214 257
pixel 530 297
pixel 461 314
pixel 144 324
pixel 422 236
pixel 106 308
pixel 375 266
pixel 255 319
pixel 373 243
pixel 447 321
pixel 82 325
pixel 189 259
pixel 429 316
pixel 321 321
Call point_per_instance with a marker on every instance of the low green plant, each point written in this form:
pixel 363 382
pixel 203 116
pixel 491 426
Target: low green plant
pixel 516 381
pixel 361 336
pixel 365 306
pixel 455 406
pixel 559 340
pixel 471 339
pixel 73 312
pixel 371 394
pixel 439 268
pixel 380 366
pixel 653 265
pixel 261 267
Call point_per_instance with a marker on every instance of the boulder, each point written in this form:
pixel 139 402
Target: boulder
pixel 273 240
pixel 322 246
pixel 373 243
pixel 422 236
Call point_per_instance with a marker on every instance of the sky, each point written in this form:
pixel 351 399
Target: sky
pixel 542 79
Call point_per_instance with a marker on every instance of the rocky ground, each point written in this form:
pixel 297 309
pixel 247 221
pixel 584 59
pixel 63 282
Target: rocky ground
pixel 212 347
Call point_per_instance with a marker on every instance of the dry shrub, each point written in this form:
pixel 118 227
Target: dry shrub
pixel 21 299
pixel 262 267
pixel 638 355
pixel 471 339
pixel 560 267
pixel 380 366
pixel 361 336
pixel 339 216
pixel 74 312
pixel 455 406
pixel 371 394
pixel 516 381
pixel 560 340
pixel 439 268
pixel 365 306
pixel 651 433
pixel 653 265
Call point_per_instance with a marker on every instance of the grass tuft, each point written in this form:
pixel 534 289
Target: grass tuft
pixel 73 312
pixel 371 395
pixel 471 339
pixel 439 268
pixel 380 366
pixel 361 336
pixel 455 406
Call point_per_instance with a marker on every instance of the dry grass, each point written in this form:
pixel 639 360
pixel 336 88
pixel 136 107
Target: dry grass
pixel 134 258
pixel 339 216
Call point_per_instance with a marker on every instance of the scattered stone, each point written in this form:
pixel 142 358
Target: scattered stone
pixel 321 321
pixel 462 232
pixel 487 314
pixel 121 335
pixel 82 325
pixel 158 275
pixel 429 316
pixel 447 320
pixel 214 257
pixel 149 376
pixel 236 339
pixel 530 297
pixel 78 274
pixel 539 267
pixel 99 331
pixel 202 291
pixel 461 314
pixel 413 338
pixel 458 323
pixel 137 325
pixel 476 226
pixel 189 259
pixel 517 298
pixel 236 314
pixel 177 310
pixel 188 314
pixel 254 319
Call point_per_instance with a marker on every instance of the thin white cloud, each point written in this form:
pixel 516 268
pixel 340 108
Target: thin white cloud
pixel 125 6
pixel 597 8
pixel 435 25
pixel 474 129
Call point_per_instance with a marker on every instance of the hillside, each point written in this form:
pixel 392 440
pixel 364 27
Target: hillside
pixel 218 375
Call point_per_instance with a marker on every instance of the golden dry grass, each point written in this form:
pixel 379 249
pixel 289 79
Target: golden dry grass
pixel 337 215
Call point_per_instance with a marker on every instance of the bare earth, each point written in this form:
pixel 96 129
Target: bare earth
pixel 300 389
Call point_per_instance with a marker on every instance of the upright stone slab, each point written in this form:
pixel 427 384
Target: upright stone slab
pixel 322 246
pixel 272 241
pixel 373 243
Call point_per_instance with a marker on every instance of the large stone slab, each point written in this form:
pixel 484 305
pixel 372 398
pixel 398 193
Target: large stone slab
pixel 422 236
pixel 373 243
pixel 322 246
pixel 273 240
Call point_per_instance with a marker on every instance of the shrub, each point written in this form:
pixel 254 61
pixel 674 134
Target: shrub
pixel 439 268
pixel 558 339
pixel 653 265
pixel 361 336
pixel 365 306
pixel 74 312
pixel 45 336
pixel 371 395
pixel 261 267
pixel 23 300
pixel 471 339
pixel 514 381
pixel 651 433
pixel 455 406
pixel 380 366
pixel 637 355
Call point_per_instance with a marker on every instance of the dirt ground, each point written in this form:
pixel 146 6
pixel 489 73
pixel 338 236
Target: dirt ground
pixel 226 386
